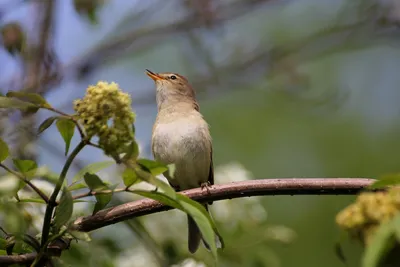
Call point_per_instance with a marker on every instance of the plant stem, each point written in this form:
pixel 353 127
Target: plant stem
pixel 52 201
pixel 22 178
pixel 80 130
pixel 103 192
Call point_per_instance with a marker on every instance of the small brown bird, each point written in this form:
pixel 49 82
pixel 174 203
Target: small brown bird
pixel 181 136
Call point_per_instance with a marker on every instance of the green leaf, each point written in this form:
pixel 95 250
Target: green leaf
pixel 171 170
pixel 160 197
pixel 382 241
pixel 386 180
pixel 33 98
pixel 66 128
pixel 25 165
pixel 96 184
pixel 77 186
pixel 154 167
pixel 129 176
pixel 7 102
pixel 92 168
pixel 46 124
pixel 4 150
pixel 80 235
pixel 147 177
pixel 194 207
pixel 131 151
pixel 64 209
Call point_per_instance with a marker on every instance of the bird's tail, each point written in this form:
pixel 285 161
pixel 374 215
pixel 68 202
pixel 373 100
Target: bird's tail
pixel 194 235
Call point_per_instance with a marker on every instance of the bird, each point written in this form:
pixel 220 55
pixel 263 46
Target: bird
pixel 181 136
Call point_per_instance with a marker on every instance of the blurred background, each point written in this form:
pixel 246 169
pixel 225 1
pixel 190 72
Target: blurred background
pixel 305 88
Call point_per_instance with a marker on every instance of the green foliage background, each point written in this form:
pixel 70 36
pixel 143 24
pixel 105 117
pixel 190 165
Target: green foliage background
pixel 296 89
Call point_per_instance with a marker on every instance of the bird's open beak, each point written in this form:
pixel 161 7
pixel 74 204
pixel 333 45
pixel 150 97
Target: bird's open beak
pixel 153 75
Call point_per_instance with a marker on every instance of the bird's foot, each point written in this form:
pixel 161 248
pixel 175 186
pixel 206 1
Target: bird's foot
pixel 207 185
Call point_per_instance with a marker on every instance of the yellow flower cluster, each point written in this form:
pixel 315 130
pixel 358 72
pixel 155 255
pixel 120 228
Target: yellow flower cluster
pixel 363 217
pixel 105 111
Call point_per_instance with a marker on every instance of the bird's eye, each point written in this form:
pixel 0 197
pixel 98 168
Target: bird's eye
pixel 173 77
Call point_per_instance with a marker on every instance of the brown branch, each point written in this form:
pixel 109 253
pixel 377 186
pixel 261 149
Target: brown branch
pixel 22 178
pixel 262 187
pixel 17 259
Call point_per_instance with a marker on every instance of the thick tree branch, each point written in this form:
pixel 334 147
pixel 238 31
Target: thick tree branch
pixel 262 187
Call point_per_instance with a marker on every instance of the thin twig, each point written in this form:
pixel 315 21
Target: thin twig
pixel 102 192
pixel 22 178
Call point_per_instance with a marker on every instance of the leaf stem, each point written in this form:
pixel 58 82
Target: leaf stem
pixel 102 192
pixel 81 132
pixel 52 201
pixel 22 178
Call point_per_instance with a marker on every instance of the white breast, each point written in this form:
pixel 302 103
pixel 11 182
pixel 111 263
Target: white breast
pixel 187 145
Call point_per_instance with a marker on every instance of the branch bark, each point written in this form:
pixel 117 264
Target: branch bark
pixel 262 187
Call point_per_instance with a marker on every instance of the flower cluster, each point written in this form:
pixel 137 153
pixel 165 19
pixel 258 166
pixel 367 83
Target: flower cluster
pixel 363 217
pixel 105 111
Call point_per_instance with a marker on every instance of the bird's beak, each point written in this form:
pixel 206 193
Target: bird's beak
pixel 153 75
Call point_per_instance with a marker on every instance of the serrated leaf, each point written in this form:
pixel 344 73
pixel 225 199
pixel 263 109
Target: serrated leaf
pixel 92 168
pixel 4 150
pixel 7 102
pixel 66 128
pixel 382 241
pixel 386 180
pixel 129 176
pixel 154 167
pixel 96 184
pixel 25 165
pixel 64 209
pixel 46 124
pixel 33 98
